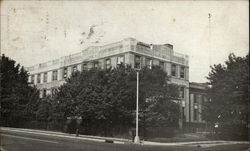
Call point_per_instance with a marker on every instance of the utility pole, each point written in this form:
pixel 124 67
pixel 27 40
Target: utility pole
pixel 137 139
pixel 209 36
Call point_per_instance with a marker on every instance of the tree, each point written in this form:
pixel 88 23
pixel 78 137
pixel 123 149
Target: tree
pixel 18 99
pixel 229 95
pixel 106 98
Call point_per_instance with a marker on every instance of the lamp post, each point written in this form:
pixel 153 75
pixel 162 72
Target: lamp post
pixel 137 139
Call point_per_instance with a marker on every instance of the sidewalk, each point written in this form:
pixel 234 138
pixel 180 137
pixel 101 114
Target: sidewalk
pixel 116 140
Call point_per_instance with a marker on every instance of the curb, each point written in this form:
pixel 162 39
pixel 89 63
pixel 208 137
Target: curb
pixel 114 140
pixel 63 135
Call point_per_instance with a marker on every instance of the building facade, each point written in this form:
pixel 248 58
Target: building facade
pixel 197 97
pixel 50 75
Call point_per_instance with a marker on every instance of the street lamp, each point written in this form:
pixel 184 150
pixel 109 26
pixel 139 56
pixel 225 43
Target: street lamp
pixel 137 139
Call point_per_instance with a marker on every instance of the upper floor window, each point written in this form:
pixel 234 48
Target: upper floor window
pixel 132 47
pixel 54 75
pixel 53 91
pixel 195 98
pixel 65 73
pixel 45 77
pixel 108 63
pixel 137 62
pixel 173 70
pixel 120 60
pixel 84 66
pixel 182 72
pixel 161 65
pixel 182 92
pixel 32 79
pixel 74 68
pixel 39 78
pixel 96 64
pixel 149 63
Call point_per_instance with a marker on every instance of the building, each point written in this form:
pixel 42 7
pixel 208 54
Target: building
pixel 50 75
pixel 197 96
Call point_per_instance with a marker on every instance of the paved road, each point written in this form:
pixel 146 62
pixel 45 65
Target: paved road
pixel 12 141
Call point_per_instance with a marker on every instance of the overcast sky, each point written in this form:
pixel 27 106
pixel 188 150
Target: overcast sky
pixel 38 31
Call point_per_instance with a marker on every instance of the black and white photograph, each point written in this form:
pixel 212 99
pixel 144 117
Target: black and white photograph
pixel 124 75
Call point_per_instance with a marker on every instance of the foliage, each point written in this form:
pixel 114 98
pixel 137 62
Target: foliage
pixel 107 98
pixel 18 99
pixel 229 92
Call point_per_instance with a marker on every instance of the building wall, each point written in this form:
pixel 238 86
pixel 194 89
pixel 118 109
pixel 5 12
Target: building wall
pixel 128 48
pixel 197 98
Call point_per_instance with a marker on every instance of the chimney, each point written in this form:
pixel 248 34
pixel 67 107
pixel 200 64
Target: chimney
pixel 151 46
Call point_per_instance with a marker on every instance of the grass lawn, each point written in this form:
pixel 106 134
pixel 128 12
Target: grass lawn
pixel 182 138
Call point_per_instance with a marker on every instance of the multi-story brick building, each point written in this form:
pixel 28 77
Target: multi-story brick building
pixel 50 75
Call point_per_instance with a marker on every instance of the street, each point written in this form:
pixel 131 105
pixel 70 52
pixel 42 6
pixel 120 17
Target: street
pixel 12 141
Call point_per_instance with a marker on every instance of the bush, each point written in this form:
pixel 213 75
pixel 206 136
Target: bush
pixel 232 132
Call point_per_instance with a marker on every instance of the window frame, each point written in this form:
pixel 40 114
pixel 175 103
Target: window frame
pixel 54 75
pixel 118 60
pixel 175 66
pixel 195 114
pixel 149 62
pixel 182 72
pixel 65 73
pixel 136 63
pixel 44 93
pixel 182 92
pixel 38 78
pixel 84 66
pixel 32 79
pixel 162 63
pixel 96 64
pixel 45 77
pixel 108 63
pixel 74 68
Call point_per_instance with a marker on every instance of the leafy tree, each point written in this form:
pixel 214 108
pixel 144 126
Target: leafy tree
pixel 106 98
pixel 229 95
pixel 18 99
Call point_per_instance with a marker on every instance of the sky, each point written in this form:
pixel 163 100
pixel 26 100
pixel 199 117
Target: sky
pixel 33 32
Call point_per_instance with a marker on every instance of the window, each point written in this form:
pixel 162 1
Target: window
pixel 108 63
pixel 182 92
pixel 162 65
pixel 173 70
pixel 39 78
pixel 132 47
pixel 137 62
pixel 84 66
pixel 183 113
pixel 195 99
pixel 45 77
pixel 54 75
pixel 182 72
pixel 120 60
pixel 195 114
pixel 74 68
pixel 40 93
pixel 44 93
pixel 32 79
pixel 65 73
pixel 149 63
pixel 53 91
pixel 96 64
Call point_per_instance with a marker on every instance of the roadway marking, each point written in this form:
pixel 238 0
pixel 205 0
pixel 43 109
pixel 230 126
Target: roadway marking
pixel 34 139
